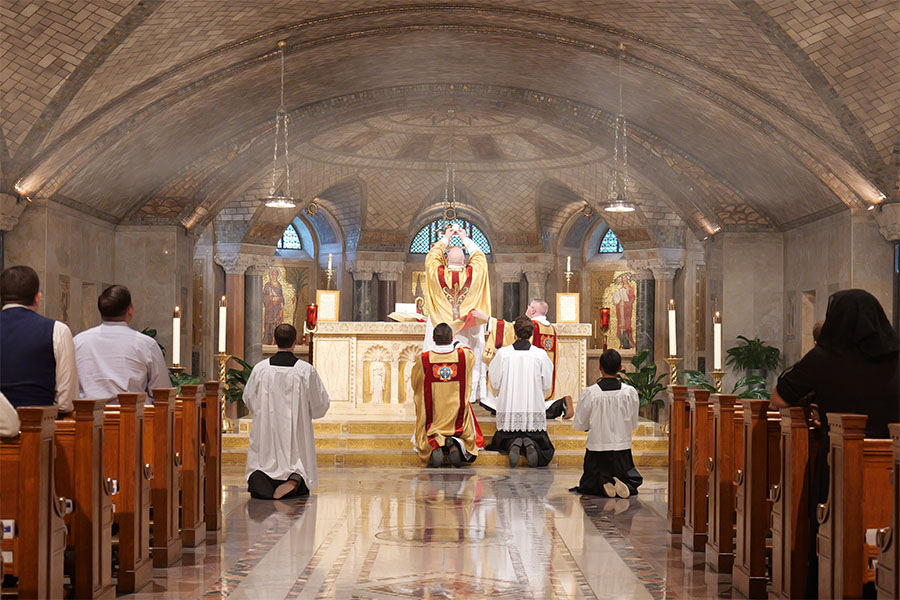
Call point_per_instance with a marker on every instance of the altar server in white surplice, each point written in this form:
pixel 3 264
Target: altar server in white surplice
pixel 521 375
pixel 284 395
pixel 113 358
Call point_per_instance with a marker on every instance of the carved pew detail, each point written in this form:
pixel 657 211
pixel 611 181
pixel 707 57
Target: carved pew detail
pixel 859 493
pixel 722 468
pixel 159 451
pixel 696 473
pixel 80 476
pixel 123 451
pixel 887 575
pixel 188 440
pixel 40 540
pixel 212 438
pixel 678 422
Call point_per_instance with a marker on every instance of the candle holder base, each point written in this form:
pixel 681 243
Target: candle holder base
pixel 568 275
pixel 176 370
pixel 717 379
pixel 221 362
pixel 673 361
pixel 329 275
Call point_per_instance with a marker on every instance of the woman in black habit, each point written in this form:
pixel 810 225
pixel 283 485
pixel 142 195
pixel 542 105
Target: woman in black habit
pixel 853 368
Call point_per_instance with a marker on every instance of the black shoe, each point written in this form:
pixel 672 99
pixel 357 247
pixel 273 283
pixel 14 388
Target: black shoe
pixel 453 454
pixel 531 453
pixel 515 451
pixel 437 458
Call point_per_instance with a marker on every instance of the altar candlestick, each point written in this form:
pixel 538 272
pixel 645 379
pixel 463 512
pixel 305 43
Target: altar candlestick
pixel 673 346
pixel 329 261
pixel 717 341
pixel 223 318
pixel 176 337
pixel 568 263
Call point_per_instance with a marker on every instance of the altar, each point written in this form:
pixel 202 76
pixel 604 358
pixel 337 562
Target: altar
pixel 366 365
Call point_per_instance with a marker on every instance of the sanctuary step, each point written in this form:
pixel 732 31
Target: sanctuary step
pixel 387 443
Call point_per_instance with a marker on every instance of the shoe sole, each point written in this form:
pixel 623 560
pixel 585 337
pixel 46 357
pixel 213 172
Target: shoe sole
pixel 621 488
pixel 610 490
pixel 437 458
pixel 455 457
pixel 515 451
pixel 531 453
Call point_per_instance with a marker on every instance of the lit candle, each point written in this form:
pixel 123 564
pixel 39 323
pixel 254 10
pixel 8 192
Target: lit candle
pixel 329 261
pixel 176 337
pixel 568 263
pixel 673 346
pixel 223 317
pixel 717 342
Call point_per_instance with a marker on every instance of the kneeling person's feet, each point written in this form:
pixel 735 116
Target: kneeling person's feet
pixel 515 451
pixel 287 487
pixel 531 453
pixel 609 489
pixel 622 490
pixel 437 458
pixel 570 408
pixel 453 453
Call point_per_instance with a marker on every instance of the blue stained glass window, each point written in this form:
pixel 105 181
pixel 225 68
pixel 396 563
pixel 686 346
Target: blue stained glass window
pixel 610 243
pixel 434 231
pixel 290 240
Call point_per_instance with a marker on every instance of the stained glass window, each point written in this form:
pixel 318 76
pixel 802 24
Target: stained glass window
pixel 610 243
pixel 290 240
pixel 434 231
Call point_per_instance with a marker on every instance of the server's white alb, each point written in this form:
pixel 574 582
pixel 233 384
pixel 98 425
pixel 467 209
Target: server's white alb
pixel 609 417
pixel 283 402
pixel 521 379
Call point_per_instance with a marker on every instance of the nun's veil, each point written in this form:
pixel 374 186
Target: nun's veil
pixel 855 321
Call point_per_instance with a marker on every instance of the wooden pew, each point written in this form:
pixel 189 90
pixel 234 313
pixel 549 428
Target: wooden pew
pixel 79 475
pixel 678 424
pixel 887 575
pixel 212 438
pixel 125 440
pixel 762 432
pixel 790 511
pixel 727 457
pixel 159 451
pixel 859 498
pixel 28 494
pixel 696 472
pixel 188 441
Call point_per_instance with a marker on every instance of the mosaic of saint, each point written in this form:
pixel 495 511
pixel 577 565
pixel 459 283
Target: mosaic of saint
pixel 617 291
pixel 284 296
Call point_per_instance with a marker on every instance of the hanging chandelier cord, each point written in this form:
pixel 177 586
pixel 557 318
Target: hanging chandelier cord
pixel 281 123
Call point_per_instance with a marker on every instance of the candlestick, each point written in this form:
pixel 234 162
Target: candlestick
pixel 717 341
pixel 329 274
pixel 176 337
pixel 672 331
pixel 221 360
pixel 673 361
pixel 223 319
pixel 717 378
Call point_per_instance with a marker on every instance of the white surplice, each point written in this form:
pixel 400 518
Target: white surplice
pixel 113 358
pixel 521 379
pixel 609 417
pixel 283 402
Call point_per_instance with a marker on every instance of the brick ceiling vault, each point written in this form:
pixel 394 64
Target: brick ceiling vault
pixel 751 114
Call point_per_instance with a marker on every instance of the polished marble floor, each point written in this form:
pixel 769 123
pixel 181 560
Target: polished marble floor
pixel 445 533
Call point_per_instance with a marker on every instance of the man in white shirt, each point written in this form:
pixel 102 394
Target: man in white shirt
pixel 608 411
pixel 9 418
pixel 521 375
pixel 37 356
pixel 113 358
pixel 284 395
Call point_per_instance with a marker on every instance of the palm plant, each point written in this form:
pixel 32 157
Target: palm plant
pixel 753 354
pixel 749 386
pixel 644 379
pixel 236 379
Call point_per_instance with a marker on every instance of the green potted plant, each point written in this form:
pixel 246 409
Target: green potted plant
pixel 647 383
pixel 235 380
pixel 749 386
pixel 754 357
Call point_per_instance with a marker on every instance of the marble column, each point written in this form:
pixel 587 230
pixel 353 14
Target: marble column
pixel 664 289
pixel 363 294
pixel 235 266
pixel 388 276
pixel 511 277
pixel 537 281
pixel 646 294
pixel 253 317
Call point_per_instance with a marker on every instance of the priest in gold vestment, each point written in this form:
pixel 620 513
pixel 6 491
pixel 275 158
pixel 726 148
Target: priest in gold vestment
pixel 442 382
pixel 453 290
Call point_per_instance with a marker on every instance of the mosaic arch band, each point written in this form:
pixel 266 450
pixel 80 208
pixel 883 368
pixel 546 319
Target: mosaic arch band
pixel 454 288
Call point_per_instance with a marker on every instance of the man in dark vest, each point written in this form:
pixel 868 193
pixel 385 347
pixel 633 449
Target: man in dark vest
pixel 37 354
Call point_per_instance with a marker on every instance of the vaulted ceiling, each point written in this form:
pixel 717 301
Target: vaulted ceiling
pixel 742 114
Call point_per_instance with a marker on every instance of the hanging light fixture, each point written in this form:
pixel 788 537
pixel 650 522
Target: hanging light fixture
pixel 618 196
pixel 450 181
pixel 281 199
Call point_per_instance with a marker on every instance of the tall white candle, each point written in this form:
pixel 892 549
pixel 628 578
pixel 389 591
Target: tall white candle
pixel 717 342
pixel 223 318
pixel 568 263
pixel 329 261
pixel 673 346
pixel 176 337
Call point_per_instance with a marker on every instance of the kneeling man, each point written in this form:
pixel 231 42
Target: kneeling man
pixel 442 383
pixel 521 375
pixel 284 395
pixel 608 411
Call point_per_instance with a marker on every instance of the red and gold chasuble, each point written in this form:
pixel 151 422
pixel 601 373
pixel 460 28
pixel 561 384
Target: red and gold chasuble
pixel 544 337
pixel 451 293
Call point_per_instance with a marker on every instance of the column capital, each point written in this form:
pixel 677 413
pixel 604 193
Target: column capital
pixel 236 263
pixel 363 269
pixel 888 218
pixel 389 270
pixel 508 272
pixel 11 208
pixel 536 273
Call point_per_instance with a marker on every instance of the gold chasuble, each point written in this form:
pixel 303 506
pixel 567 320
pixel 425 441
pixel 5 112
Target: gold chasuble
pixel 443 384
pixel 503 334
pixel 452 293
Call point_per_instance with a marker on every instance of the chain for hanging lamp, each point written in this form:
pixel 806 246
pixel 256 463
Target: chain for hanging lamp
pixel 618 198
pixel 285 199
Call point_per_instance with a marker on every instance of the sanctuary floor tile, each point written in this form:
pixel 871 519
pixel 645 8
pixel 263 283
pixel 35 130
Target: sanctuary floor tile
pixel 399 533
